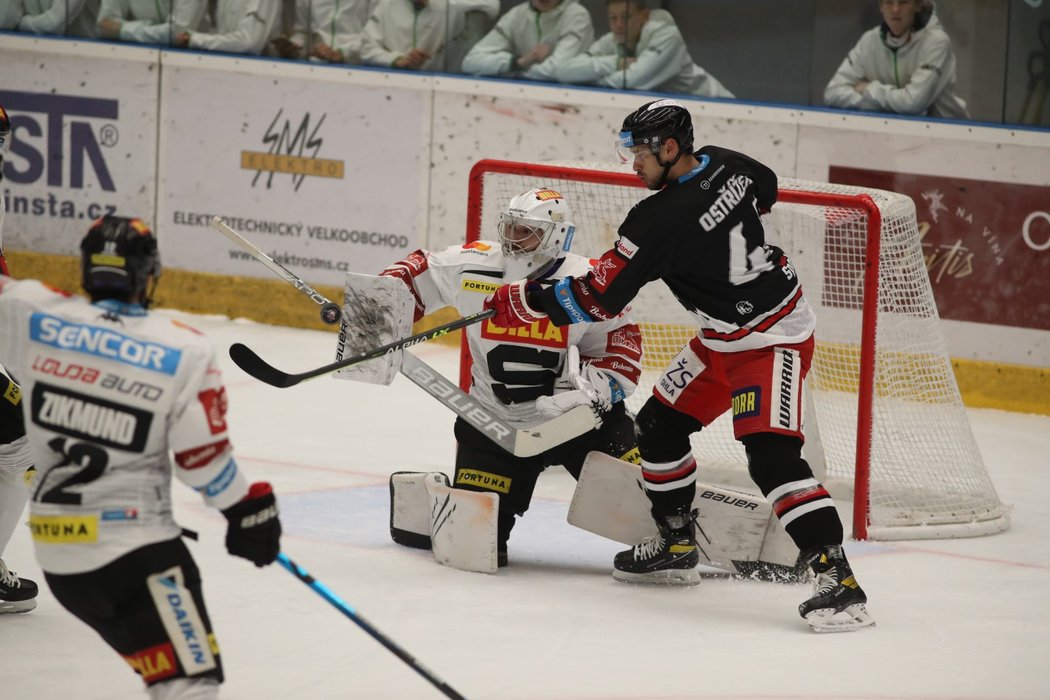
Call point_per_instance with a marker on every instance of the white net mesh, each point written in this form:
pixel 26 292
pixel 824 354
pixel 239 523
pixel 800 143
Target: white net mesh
pixel 927 478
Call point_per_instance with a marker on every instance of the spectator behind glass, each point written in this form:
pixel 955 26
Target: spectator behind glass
pixel 241 26
pixel 148 21
pixel 905 65
pixel 531 40
pixel 325 30
pixel 644 51
pixel 63 17
pixel 411 34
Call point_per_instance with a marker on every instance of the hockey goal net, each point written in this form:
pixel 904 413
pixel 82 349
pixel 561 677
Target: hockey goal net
pixel 885 423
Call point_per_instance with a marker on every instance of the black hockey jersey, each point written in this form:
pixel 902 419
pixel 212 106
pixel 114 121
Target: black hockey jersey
pixel 702 235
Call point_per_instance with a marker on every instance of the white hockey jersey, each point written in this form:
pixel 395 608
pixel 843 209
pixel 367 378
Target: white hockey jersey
pixel 115 400
pixel 513 367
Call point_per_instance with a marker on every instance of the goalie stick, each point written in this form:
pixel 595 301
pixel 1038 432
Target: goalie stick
pixel 326 593
pixel 520 442
pixel 330 312
pixel 245 358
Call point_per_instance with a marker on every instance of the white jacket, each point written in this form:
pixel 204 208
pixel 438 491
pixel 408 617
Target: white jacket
pixel 336 23
pixel 69 17
pixel 663 63
pixel 568 28
pixel 395 27
pixel 149 21
pixel 917 78
pixel 241 26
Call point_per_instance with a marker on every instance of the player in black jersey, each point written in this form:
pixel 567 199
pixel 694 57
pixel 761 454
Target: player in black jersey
pixel 701 233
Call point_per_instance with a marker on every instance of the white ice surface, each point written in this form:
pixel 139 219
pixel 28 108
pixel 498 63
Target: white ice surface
pixel 959 619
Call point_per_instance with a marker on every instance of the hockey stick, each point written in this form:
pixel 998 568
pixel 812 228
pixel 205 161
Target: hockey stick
pixel 330 313
pixel 245 358
pixel 323 591
pixel 518 442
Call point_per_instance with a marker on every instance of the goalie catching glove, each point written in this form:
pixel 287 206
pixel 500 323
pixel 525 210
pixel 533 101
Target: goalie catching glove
pixel 511 302
pixel 254 530
pixel 584 385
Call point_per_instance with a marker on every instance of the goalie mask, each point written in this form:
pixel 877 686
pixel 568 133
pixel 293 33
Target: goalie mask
pixel 535 231
pixel 118 257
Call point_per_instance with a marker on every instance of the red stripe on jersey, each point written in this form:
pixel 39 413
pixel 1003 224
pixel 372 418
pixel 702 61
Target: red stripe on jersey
pixel 586 300
pixel 765 325
pixel 199 456
pixel 407 270
pixel 687 468
pixel 795 498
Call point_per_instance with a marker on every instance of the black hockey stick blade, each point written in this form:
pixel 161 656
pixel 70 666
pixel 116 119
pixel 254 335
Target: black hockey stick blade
pixel 246 358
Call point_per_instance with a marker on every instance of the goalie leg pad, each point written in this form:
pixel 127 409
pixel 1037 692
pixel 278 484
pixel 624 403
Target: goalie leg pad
pixel 736 531
pixel 462 526
pixel 410 508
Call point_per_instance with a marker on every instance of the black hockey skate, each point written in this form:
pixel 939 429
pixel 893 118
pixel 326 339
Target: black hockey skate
pixel 16 594
pixel 838 603
pixel 669 557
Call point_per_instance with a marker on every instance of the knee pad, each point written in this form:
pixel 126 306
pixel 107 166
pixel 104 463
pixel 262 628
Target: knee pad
pixel 663 432
pixel 774 459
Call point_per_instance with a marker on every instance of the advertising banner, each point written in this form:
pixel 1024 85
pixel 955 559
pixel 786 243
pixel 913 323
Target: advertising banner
pixel 84 132
pixel 987 244
pixel 325 176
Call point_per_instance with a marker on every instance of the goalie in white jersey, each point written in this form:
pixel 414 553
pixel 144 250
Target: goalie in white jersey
pixel 526 376
pixel 116 400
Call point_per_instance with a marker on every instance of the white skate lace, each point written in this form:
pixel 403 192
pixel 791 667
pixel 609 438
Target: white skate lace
pixel 824 583
pixel 7 577
pixel 649 547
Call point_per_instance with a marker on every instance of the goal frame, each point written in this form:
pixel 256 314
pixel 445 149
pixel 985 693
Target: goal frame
pixel 867 357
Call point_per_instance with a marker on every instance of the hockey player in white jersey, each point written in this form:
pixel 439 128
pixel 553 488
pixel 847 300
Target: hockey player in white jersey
pixel 522 376
pixel 116 401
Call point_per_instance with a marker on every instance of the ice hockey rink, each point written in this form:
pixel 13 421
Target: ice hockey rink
pixel 956 619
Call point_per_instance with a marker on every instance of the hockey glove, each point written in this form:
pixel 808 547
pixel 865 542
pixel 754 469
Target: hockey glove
pixel 512 305
pixel 254 530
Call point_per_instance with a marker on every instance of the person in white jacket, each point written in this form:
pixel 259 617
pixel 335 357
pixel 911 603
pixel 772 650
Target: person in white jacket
pixel 905 65
pixel 411 34
pixel 241 26
pixel 643 51
pixel 148 21
pixel 325 30
pixel 531 40
pixel 63 17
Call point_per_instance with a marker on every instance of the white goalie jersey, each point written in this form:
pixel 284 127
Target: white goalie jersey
pixel 116 400
pixel 513 367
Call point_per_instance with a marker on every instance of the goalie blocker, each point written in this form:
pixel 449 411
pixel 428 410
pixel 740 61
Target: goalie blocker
pixel 737 532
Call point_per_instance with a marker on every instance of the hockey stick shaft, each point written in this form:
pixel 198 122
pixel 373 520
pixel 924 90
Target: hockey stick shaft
pixel 245 358
pixel 280 270
pixel 520 442
pixel 323 591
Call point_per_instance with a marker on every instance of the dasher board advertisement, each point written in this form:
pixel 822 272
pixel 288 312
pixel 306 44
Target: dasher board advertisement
pixel 83 139
pixel 322 174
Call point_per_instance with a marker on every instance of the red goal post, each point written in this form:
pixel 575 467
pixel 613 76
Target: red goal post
pixel 890 429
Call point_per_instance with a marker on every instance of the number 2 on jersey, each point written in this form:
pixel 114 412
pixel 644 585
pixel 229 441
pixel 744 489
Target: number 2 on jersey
pixel 92 461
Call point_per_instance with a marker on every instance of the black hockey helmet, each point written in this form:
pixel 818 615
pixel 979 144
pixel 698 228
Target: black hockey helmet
pixel 655 122
pixel 118 256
